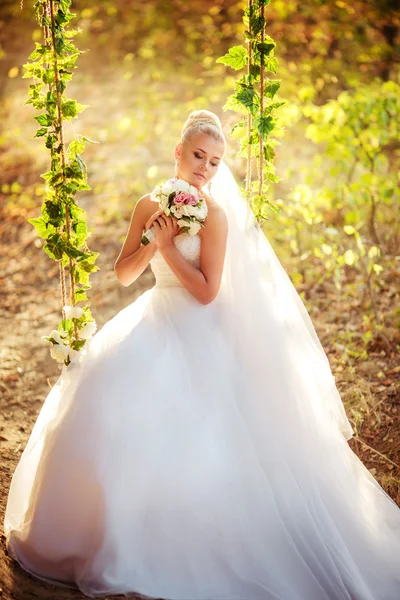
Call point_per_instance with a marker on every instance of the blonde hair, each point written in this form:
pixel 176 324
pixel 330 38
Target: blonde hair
pixel 202 121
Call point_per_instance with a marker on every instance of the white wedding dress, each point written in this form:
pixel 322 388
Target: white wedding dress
pixel 170 465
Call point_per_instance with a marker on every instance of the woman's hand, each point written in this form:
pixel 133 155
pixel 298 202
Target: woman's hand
pixel 153 217
pixel 165 228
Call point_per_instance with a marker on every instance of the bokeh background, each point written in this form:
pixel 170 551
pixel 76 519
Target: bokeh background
pixel 147 64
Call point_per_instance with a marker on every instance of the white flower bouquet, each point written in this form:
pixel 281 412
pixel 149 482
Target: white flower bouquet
pixel 179 199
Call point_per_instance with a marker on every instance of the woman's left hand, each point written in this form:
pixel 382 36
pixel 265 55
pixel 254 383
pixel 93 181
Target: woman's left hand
pixel 165 228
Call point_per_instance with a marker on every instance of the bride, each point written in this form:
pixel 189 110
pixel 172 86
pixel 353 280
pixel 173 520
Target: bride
pixel 198 449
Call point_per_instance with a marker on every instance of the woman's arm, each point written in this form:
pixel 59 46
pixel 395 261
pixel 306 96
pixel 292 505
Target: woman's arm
pixel 203 284
pixel 133 258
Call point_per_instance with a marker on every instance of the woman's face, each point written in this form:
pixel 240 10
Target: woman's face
pixel 198 159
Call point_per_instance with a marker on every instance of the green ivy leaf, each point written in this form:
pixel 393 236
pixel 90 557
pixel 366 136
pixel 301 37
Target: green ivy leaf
pixel 59 42
pixel 272 65
pixel 80 229
pixel 43 228
pixel 249 98
pixel 236 57
pixel 264 48
pixel 68 109
pixel 41 132
pixel 53 248
pixel 80 295
pixel 256 24
pixel 44 119
pixel 75 147
pixel 272 87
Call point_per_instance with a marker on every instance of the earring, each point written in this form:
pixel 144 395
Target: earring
pixel 177 170
pixel 209 187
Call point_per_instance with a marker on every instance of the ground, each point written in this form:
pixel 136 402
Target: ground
pixel 30 308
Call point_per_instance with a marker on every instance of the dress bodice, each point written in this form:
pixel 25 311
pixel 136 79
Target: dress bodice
pixel 189 247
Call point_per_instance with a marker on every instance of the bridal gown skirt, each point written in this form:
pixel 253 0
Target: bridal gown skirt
pixel 159 467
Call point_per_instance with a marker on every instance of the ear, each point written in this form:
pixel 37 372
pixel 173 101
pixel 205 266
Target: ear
pixel 178 150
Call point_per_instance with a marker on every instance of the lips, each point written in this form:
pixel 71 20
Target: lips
pixel 200 175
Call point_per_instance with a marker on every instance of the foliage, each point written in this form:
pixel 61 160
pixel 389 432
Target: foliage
pixel 62 222
pixel 346 211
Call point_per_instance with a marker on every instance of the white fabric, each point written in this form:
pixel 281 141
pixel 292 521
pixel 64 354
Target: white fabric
pixel 199 453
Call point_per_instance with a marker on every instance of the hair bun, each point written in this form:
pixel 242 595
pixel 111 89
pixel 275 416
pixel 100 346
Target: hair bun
pixel 203 121
pixel 203 115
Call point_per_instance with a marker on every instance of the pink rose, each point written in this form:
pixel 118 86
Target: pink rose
pixel 191 200
pixel 180 198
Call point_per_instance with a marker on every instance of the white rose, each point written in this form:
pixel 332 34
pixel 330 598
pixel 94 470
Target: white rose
pixel 87 330
pixel 202 211
pixel 193 190
pixel 55 335
pixel 163 202
pixel 194 228
pixel 182 186
pixel 155 193
pixel 186 210
pixel 74 355
pixel 73 312
pixel 59 352
pixel 168 187
pixel 176 211
pixel 182 223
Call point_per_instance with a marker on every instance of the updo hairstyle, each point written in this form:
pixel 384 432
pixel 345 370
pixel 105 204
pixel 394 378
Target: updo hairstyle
pixel 202 121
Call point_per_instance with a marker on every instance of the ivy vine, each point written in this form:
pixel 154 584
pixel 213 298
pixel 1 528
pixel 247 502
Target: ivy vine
pixel 62 223
pixel 254 98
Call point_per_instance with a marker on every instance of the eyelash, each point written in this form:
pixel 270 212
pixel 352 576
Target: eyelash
pixel 197 155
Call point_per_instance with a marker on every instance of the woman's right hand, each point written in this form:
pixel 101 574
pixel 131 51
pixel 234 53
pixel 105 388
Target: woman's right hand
pixel 153 217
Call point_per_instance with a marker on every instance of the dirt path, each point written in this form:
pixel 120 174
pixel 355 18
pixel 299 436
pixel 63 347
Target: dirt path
pixel 29 296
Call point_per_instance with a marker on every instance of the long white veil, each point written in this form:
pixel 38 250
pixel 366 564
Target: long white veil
pixel 268 325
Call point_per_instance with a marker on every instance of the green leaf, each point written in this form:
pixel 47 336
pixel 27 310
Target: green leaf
pixel 272 65
pixel 43 228
pixel 256 24
pixel 48 76
pixel 59 43
pixel 64 5
pixel 80 294
pixel 272 88
pixel 44 119
pixel 52 247
pixel 68 109
pixel 61 85
pixel 265 48
pixel 80 229
pixel 265 125
pixel 41 132
pixel 53 212
pixel 78 344
pixel 249 98
pixel 75 147
pixel 236 57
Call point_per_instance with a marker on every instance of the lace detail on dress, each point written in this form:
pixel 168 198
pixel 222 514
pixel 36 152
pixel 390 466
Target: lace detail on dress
pixel 189 247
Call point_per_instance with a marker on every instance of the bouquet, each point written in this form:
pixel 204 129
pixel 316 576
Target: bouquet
pixel 178 198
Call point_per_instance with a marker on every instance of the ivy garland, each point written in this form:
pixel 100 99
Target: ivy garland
pixel 62 223
pixel 254 96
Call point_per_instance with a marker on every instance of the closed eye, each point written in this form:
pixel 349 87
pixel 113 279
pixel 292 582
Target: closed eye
pixel 197 155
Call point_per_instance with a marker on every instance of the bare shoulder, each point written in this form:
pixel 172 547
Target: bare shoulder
pixel 145 204
pixel 144 208
pixel 216 217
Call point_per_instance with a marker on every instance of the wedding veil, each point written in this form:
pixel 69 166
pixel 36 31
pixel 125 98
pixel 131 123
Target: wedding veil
pixel 269 326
